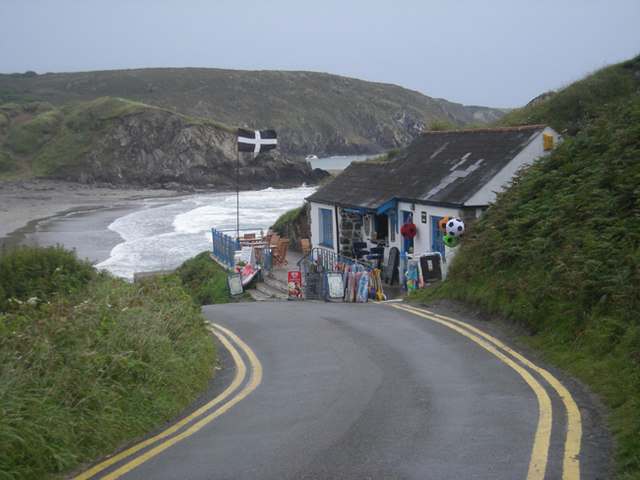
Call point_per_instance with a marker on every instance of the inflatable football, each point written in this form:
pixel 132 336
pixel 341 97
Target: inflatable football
pixel 408 230
pixel 455 227
pixel 443 224
pixel 450 241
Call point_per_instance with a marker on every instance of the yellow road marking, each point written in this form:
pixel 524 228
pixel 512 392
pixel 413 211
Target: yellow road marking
pixel 539 453
pixel 239 378
pixel 571 463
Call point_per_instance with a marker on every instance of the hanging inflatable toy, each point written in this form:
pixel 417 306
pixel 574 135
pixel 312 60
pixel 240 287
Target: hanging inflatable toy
pixel 450 241
pixel 455 227
pixel 408 230
pixel 443 224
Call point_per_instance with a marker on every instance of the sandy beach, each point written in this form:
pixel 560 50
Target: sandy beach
pixel 24 203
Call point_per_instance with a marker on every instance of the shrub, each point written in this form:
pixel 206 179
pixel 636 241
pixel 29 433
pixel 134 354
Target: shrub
pixel 43 272
pixel 82 373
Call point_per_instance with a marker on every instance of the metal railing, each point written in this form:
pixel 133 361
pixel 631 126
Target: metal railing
pixel 225 247
pixel 319 260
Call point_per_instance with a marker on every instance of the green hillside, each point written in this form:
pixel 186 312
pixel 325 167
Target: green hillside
pixel 312 112
pixel 572 108
pixel 559 251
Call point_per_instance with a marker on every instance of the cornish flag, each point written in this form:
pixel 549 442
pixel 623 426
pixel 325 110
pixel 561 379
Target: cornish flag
pixel 256 141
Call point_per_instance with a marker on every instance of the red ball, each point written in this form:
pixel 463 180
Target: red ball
pixel 408 230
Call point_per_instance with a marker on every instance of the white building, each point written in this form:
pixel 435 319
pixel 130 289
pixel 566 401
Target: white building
pixel 444 173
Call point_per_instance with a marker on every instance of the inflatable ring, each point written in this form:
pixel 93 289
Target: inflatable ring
pixel 443 224
pixel 408 230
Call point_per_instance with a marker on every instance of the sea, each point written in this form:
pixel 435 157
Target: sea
pixel 161 233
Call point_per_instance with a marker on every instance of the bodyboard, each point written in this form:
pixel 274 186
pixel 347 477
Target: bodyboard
pixel 363 288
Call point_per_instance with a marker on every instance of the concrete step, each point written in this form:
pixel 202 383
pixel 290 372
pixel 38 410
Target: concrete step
pixel 272 287
pixel 259 296
pixel 271 292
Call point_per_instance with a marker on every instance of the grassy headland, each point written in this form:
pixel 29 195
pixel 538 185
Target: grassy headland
pixel 40 140
pixel 313 112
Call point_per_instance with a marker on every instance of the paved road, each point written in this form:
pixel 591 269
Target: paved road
pixel 315 390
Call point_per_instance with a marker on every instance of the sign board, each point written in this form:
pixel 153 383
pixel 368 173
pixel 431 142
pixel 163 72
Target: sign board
pixel 335 287
pixel 313 290
pixel 234 284
pixel 246 256
pixel 294 285
pixel 392 265
pixel 430 266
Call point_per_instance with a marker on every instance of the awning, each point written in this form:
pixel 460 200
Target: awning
pixel 391 210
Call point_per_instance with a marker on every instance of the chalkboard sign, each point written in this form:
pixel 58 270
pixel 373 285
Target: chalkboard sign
pixel 234 284
pixel 430 266
pixel 392 265
pixel 314 290
pixel 335 287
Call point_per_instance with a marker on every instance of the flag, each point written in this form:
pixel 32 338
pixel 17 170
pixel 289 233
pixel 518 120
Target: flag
pixel 256 141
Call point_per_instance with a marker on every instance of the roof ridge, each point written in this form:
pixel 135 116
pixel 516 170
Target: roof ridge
pixel 487 130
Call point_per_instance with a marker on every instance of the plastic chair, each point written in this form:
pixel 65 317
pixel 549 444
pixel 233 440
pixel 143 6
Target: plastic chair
pixel 280 256
pixel 377 254
pixel 305 246
pixel 359 249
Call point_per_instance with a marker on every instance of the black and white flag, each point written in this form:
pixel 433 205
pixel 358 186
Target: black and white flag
pixel 256 141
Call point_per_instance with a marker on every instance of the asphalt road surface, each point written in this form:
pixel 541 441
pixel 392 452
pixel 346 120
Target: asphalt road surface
pixel 313 390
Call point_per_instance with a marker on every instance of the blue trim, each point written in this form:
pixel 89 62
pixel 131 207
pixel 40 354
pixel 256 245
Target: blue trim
pixel 391 205
pixel 356 210
pixel 387 206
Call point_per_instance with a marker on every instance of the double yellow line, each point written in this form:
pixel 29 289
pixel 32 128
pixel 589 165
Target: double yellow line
pixel 540 451
pixel 171 436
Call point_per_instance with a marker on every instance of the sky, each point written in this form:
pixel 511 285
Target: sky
pixel 496 53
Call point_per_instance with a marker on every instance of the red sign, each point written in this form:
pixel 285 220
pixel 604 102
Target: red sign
pixel 294 285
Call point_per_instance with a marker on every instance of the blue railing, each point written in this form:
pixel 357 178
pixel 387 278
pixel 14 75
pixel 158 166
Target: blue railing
pixel 225 246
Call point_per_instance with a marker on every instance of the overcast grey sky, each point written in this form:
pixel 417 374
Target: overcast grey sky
pixel 498 53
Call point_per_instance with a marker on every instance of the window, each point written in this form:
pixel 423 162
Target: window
pixel 326 227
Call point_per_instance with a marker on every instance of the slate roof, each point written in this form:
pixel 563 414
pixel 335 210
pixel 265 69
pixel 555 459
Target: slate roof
pixel 443 167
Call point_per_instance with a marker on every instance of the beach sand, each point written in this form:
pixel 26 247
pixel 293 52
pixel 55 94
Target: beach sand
pixel 24 204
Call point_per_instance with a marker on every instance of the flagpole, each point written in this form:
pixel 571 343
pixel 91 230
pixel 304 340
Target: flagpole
pixel 238 195
pixel 251 141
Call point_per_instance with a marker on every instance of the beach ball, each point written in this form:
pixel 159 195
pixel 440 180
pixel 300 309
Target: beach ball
pixel 408 230
pixel 443 224
pixel 450 241
pixel 455 227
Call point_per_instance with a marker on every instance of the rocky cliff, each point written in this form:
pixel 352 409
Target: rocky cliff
pixel 120 143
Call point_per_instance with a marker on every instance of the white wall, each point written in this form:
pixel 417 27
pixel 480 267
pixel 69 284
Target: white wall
pixel 316 225
pixel 423 240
